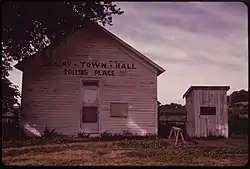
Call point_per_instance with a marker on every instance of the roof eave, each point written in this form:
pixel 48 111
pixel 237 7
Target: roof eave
pixel 19 66
pixel 159 69
pixel 185 94
pixel 193 87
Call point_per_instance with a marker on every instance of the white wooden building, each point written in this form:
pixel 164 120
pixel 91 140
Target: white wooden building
pixel 207 111
pixel 91 81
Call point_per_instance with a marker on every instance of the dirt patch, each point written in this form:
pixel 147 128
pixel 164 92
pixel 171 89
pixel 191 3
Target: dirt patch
pixel 130 152
pixel 224 143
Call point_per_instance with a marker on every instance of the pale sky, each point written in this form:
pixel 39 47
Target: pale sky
pixel 198 43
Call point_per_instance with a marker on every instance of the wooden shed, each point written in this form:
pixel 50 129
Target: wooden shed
pixel 207 111
pixel 91 81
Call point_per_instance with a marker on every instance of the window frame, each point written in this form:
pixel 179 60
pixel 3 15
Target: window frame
pixel 90 83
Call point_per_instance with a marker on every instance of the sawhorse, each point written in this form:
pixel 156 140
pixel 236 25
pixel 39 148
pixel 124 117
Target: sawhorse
pixel 176 131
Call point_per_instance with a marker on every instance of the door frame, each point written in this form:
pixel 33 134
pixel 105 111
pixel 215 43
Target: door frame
pixel 98 104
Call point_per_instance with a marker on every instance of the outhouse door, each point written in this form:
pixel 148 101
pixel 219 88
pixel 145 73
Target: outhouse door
pixel 207 120
pixel 90 106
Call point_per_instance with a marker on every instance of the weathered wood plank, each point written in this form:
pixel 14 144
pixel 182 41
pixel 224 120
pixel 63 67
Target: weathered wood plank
pixel 205 125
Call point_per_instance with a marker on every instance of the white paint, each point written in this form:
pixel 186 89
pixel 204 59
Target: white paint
pixel 29 130
pixel 61 108
pixel 135 128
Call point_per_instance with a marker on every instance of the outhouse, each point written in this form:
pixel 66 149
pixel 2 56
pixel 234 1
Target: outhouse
pixel 207 111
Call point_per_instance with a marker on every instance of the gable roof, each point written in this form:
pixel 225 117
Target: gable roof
pixel 205 88
pixel 159 69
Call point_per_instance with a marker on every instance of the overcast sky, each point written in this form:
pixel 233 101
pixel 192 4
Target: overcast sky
pixel 198 43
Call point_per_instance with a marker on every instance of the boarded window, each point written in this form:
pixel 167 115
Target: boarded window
pixel 89 114
pixel 119 109
pixel 207 110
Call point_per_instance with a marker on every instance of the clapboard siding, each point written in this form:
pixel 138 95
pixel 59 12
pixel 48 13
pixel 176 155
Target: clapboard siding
pixel 53 99
pixel 207 125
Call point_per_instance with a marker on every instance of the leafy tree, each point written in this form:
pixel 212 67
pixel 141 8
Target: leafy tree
pixel 172 105
pixel 10 95
pixel 28 27
pixel 239 96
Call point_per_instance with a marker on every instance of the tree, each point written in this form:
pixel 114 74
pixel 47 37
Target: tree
pixel 239 96
pixel 10 92
pixel 10 95
pixel 173 105
pixel 29 27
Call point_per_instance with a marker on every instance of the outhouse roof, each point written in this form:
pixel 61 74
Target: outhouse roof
pixel 205 88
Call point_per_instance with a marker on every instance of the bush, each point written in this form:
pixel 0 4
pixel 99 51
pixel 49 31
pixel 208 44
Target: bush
pixel 238 125
pixel 125 135
pixel 11 131
pixel 50 133
pixel 107 136
pixel 82 134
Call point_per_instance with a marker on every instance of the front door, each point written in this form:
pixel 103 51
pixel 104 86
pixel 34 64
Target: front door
pixel 90 106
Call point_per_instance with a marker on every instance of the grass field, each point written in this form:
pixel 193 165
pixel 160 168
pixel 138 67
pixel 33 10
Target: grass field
pixel 132 152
